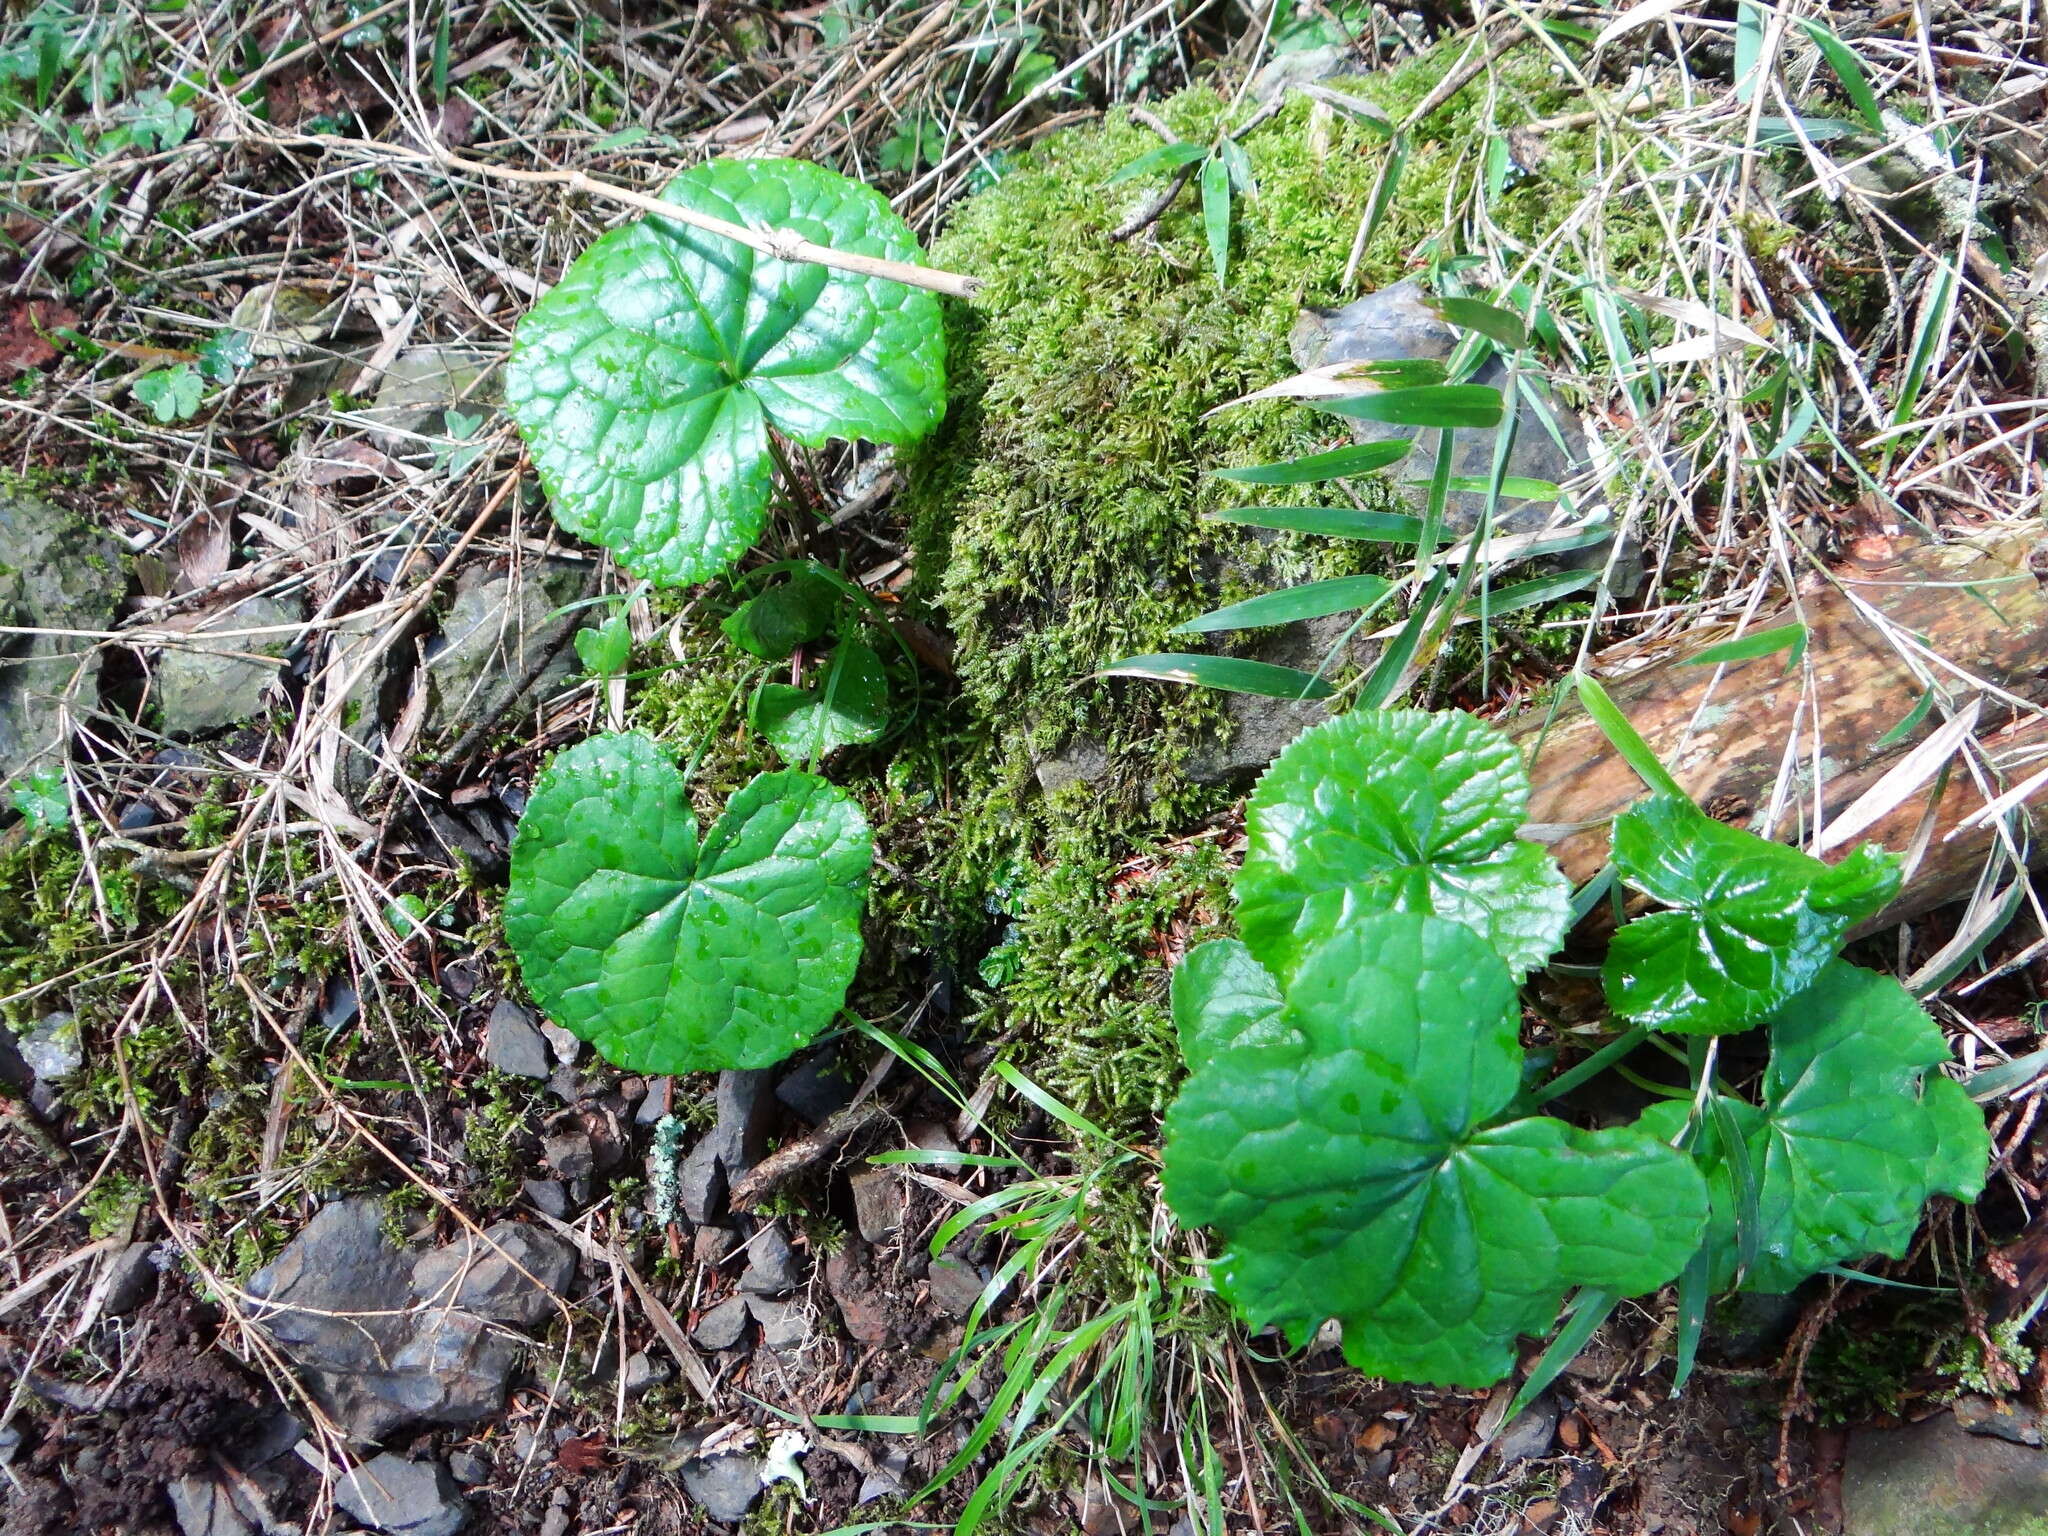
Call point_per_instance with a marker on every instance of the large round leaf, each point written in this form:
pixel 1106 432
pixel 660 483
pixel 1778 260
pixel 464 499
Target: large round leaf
pixel 1343 1151
pixel 1397 810
pixel 646 381
pixel 1752 922
pixel 668 955
pixel 1857 1129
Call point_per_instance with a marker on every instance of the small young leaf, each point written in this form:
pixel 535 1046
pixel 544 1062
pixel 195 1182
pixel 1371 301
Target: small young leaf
pixel 647 380
pixel 1615 727
pixel 1517 486
pixel 784 617
pixel 672 955
pixel 1310 600
pixel 1489 320
pixel 848 705
pixel 1396 810
pixel 1330 522
pixel 1216 215
pixel 604 650
pixel 41 799
pixel 1224 999
pixel 172 394
pixel 1430 405
pixel 1753 921
pixel 1230 674
pixel 1167 157
pixel 1858 1128
pixel 1344 1153
pixel 1315 468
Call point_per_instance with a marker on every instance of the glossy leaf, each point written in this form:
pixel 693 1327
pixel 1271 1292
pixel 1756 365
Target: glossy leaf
pixel 647 380
pixel 1223 999
pixel 1330 522
pixel 1396 810
pixel 1310 600
pixel 1316 468
pixel 1430 405
pixel 1230 674
pixel 671 955
pixel 784 617
pixel 1348 1162
pixel 1752 922
pixel 1857 1129
pixel 848 705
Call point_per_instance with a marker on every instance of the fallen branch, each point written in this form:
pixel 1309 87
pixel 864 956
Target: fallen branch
pixel 786 1162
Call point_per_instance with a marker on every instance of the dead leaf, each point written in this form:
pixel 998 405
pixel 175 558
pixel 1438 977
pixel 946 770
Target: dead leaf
pixel 350 459
pixel 582 1454
pixel 206 545
pixel 25 325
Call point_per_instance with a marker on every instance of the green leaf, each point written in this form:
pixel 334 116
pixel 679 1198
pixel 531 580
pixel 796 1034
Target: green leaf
pixel 1216 215
pixel 172 394
pixel 1849 70
pixel 1517 486
pixel 604 650
pixel 1857 1130
pixel 1230 674
pixel 850 704
pixel 1223 999
pixel 1517 595
pixel 1310 600
pixel 784 617
pixel 1753 921
pixel 1330 522
pixel 647 380
pixel 1489 320
pixel 1429 405
pixel 1315 468
pixel 1343 1152
pixel 672 955
pixel 1167 157
pixel 1764 642
pixel 1615 727
pixel 1396 810
pixel 42 800
pixel 225 354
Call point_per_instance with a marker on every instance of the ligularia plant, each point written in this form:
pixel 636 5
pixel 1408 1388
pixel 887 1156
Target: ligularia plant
pixel 1355 1124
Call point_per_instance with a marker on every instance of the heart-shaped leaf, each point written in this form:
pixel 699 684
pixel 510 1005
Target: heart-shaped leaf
pixel 1396 810
pixel 646 381
pixel 1222 999
pixel 1343 1152
pixel 670 956
pixel 784 617
pixel 849 704
pixel 1857 1130
pixel 1754 921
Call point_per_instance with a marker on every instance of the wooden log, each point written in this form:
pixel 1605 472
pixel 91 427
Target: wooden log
pixel 1974 618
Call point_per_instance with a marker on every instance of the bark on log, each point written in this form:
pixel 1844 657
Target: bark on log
pixel 1978 605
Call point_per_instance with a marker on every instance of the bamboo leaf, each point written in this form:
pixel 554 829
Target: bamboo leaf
pixel 1230 674
pixel 1311 600
pixel 1615 727
pixel 1330 522
pixel 1435 405
pixel 1849 70
pixel 1489 320
pixel 1764 642
pixel 1167 157
pixel 1216 215
pixel 1315 468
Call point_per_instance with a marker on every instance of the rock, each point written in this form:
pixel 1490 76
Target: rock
pixel 955 1284
pixel 862 1307
pixel 560 1515
pixel 732 1146
pixel 217 678
pixel 771 1267
pixel 713 1245
pixel 421 385
pixel 52 1050
pixel 131 1278
pixel 513 1042
pixel 339 1006
pixel 564 1044
pixel 1935 1478
pixel 339 1304
pixel 785 1325
pixel 885 1480
pixel 1751 1326
pixel 644 1373
pixel 403 1498
pixel 488 1280
pixel 1996 1417
pixel 722 1326
pixel 725 1487
pixel 470 1465
pixel 820 1087
pixel 202 1507
pixel 549 1196
pixel 1529 1434
pixel 56 573
pixel 654 1105
pixel 877 1203
pixel 570 1154
pixel 496 632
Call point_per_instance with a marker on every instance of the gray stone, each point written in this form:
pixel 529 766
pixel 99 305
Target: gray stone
pixel 512 1277
pixel 419 388
pixel 1935 1478
pixel 771 1266
pixel 470 1465
pixel 2000 1418
pixel 820 1087
pixel 644 1373
pixel 131 1278
pixel 724 1487
pixel 1529 1433
pixel 496 631
pixel 955 1284
pixel 732 1146
pixel 560 1515
pixel 338 1302
pixel 56 573
pixel 215 678
pixel 549 1196
pixel 564 1044
pixel 877 1203
pixel 513 1042
pixel 570 1154
pixel 653 1106
pixel 722 1326
pixel 403 1498
pixel 785 1325
pixel 1751 1326
pixel 885 1479
pixel 52 1048
pixel 202 1507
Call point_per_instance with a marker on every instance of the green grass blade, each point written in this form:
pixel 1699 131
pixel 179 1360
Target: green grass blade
pixel 1589 1311
pixel 1513 487
pixel 1615 727
pixel 1316 468
pixel 1310 600
pixel 1387 671
pixel 1849 70
pixel 1167 157
pixel 1536 591
pixel 1216 215
pixel 1228 674
pixel 1926 341
pixel 1330 522
pixel 442 31
pixel 1692 1317
pixel 1910 724
pixel 1764 642
pixel 1431 405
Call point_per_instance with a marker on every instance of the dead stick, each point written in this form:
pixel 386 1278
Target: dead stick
pixel 932 23
pixel 786 1162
